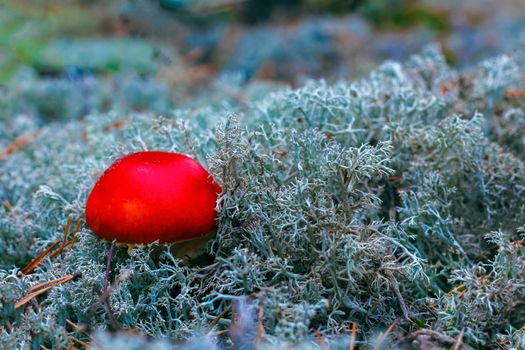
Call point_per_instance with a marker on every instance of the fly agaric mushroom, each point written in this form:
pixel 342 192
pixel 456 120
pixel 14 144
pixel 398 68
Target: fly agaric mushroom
pixel 153 196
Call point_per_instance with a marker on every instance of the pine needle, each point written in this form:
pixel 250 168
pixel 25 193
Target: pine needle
pixel 31 296
pixel 218 318
pixel 459 340
pixel 320 340
pixel 57 281
pixel 352 339
pixel 260 326
pixel 459 288
pixel 79 329
pixel 8 205
pixel 515 93
pixel 382 337
pixel 38 260
pixel 42 288
pixel 19 143
pixel 64 240
pixel 78 341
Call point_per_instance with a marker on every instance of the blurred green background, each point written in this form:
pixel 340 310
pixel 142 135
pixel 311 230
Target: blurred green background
pixel 154 54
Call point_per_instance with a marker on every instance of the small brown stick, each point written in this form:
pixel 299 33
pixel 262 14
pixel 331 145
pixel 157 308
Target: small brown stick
pixel 7 205
pixel 72 240
pixel 79 329
pixel 429 308
pixel 75 340
pixel 389 329
pixel 320 340
pixel 70 344
pixel 77 227
pixel 218 318
pixel 219 333
pixel 38 260
pixel 459 288
pixel 502 344
pixel 459 340
pixel 260 326
pixel 31 296
pixel 115 125
pixel 42 288
pixel 352 338
pixel 18 144
pixel 65 242
pixel 462 294
pixel 515 93
pixel 381 338
pixel 74 325
pixel 52 282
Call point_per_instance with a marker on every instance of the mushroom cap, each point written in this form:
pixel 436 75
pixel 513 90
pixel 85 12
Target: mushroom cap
pixel 149 196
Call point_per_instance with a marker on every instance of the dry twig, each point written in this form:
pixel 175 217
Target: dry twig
pixel 352 339
pixel 515 93
pixel 382 336
pixel 78 341
pixel 459 340
pixel 42 288
pixel 320 340
pixel 39 260
pixel 260 326
pixel 218 318
pixel 19 143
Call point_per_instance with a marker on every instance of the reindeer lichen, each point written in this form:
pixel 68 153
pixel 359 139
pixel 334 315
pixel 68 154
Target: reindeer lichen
pixel 396 200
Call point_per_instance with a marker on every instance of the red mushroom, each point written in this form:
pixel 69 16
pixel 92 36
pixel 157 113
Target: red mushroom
pixel 153 196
